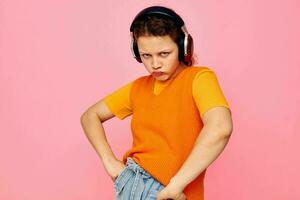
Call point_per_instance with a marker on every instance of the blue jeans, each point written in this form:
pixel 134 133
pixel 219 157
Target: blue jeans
pixel 134 183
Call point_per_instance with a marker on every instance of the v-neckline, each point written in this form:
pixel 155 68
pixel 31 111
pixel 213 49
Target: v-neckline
pixel 153 81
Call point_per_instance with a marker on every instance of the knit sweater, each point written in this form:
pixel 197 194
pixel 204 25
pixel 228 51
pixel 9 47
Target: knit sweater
pixel 166 125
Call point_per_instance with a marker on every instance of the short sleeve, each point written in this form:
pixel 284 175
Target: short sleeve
pixel 119 101
pixel 207 92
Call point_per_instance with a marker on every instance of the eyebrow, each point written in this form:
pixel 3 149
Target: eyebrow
pixel 158 52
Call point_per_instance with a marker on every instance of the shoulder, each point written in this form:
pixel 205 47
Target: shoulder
pixel 202 72
pixel 205 79
pixel 201 69
pixel 198 72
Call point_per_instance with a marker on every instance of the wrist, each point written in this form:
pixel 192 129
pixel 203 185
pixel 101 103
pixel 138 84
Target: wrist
pixel 174 182
pixel 107 160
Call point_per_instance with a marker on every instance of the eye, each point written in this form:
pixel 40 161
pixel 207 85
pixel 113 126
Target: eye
pixel 165 54
pixel 145 55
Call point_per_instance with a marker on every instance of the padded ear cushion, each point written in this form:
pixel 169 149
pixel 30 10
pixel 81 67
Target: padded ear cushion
pixel 136 52
pixel 186 59
pixel 180 44
pixel 190 51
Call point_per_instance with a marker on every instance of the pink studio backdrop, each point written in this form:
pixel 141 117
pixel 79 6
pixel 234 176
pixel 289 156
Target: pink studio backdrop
pixel 59 57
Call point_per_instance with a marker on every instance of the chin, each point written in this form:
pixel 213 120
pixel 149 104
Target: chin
pixel 162 78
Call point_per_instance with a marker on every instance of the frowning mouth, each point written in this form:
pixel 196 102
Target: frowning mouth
pixel 156 74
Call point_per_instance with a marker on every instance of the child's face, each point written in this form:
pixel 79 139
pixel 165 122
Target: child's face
pixel 160 54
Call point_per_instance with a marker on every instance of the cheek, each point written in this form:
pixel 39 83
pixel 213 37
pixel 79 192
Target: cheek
pixel 173 59
pixel 145 62
pixel 147 66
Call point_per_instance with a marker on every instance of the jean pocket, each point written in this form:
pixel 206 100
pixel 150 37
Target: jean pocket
pixel 119 176
pixel 152 195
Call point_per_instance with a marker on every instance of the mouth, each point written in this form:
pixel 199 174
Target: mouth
pixel 157 74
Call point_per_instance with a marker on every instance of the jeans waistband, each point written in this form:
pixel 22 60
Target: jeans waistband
pixel 136 168
pixel 138 173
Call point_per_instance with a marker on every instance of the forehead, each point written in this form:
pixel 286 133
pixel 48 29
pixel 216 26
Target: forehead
pixel 155 43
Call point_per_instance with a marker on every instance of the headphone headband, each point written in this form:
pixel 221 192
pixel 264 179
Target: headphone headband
pixel 159 10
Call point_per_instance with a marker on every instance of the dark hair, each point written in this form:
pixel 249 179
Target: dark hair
pixel 157 25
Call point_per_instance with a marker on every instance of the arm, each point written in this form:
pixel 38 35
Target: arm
pixel 210 143
pixel 91 122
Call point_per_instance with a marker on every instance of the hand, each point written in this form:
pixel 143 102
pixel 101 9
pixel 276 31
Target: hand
pixel 113 168
pixel 171 191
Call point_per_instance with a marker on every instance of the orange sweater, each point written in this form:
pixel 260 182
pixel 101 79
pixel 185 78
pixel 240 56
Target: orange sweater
pixel 165 125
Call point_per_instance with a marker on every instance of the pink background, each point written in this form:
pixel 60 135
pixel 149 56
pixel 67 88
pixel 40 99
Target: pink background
pixel 59 57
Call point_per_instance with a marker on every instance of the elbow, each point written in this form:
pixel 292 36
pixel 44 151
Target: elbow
pixel 87 116
pixel 227 133
pixel 226 130
pixel 84 117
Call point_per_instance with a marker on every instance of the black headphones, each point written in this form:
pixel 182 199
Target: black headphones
pixel 185 42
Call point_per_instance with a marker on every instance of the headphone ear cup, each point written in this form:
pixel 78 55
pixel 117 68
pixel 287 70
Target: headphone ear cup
pixel 186 58
pixel 136 51
pixel 190 51
pixel 180 44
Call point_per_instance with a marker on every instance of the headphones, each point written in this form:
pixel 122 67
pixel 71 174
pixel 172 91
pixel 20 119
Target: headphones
pixel 185 41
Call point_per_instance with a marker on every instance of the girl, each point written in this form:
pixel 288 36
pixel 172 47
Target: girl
pixel 181 120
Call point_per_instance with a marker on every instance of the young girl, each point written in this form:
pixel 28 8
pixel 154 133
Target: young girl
pixel 181 120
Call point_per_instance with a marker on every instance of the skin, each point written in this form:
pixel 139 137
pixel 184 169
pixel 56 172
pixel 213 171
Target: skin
pixel 161 54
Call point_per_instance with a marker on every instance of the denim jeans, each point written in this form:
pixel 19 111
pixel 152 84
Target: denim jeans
pixel 134 183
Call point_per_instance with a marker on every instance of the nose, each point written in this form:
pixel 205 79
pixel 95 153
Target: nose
pixel 155 63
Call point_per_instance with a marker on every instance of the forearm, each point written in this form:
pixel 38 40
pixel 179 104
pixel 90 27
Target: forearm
pixel 208 146
pixel 95 133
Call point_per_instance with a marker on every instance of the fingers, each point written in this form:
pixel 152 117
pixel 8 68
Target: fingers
pixel 183 197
